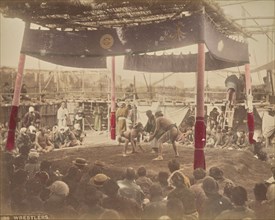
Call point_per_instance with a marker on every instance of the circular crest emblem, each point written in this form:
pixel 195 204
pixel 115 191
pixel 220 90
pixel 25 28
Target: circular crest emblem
pixel 106 41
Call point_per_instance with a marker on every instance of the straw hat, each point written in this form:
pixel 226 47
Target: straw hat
pixel 98 180
pixel 80 162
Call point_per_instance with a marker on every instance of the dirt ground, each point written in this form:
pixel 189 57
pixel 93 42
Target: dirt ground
pixel 239 166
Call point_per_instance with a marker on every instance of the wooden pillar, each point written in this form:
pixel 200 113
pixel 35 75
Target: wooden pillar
pixel 249 105
pixel 15 103
pixel 200 129
pixel 113 102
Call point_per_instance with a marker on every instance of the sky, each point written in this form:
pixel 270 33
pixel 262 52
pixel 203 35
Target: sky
pixel 260 51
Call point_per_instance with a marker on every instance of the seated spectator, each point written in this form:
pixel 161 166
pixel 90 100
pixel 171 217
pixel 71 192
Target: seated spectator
pixel 175 209
pixel 229 139
pixel 18 191
pixel 70 139
pixel 23 142
pixel 92 201
pixel 129 189
pixel 157 205
pixel 56 205
pixel 219 137
pixel 242 140
pixel 270 204
pixel 43 143
pixel 79 134
pixel 127 208
pixel 260 190
pixel 184 194
pixel 72 178
pixel 57 137
pixel 196 188
pixel 98 180
pixel 271 180
pixel 215 202
pixel 174 166
pixel 210 140
pixel 32 166
pixel 34 203
pixel 240 211
pixel 143 181
pixel 163 181
pixel 110 214
pixel 217 174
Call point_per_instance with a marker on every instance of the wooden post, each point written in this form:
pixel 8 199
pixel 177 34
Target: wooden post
pixel 15 103
pixel 113 102
pixel 200 130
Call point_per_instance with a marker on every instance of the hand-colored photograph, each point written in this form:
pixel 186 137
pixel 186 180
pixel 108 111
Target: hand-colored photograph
pixel 137 109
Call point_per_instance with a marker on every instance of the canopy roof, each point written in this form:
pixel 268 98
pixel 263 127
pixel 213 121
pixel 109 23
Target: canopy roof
pixel 100 14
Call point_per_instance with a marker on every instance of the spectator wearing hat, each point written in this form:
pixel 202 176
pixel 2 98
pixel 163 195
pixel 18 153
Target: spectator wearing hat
pixel 56 205
pixel 215 202
pixel 157 205
pixel 183 193
pixel 143 181
pixel 110 214
pixel 165 131
pixel 80 163
pixel 32 166
pixel 127 208
pixel 129 188
pixel 43 143
pixel 196 188
pixel 98 180
pixel 23 142
pixel 30 117
pixel 240 211
pixel 217 174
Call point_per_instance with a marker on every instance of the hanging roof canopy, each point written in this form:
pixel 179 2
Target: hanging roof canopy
pixel 100 14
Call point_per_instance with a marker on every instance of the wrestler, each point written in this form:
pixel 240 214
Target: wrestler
pixel 165 130
pixel 132 136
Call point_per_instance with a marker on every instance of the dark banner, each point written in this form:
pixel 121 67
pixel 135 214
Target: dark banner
pixel 73 61
pixel 223 47
pixel 173 63
pixel 112 41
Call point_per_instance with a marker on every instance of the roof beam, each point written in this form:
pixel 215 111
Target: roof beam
pixel 252 18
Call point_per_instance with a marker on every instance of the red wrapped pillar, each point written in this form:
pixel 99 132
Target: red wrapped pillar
pixel 15 103
pixel 200 130
pixel 113 102
pixel 249 105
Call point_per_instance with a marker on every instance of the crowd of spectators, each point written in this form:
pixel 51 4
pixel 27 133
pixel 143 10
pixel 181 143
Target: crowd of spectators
pixel 92 191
